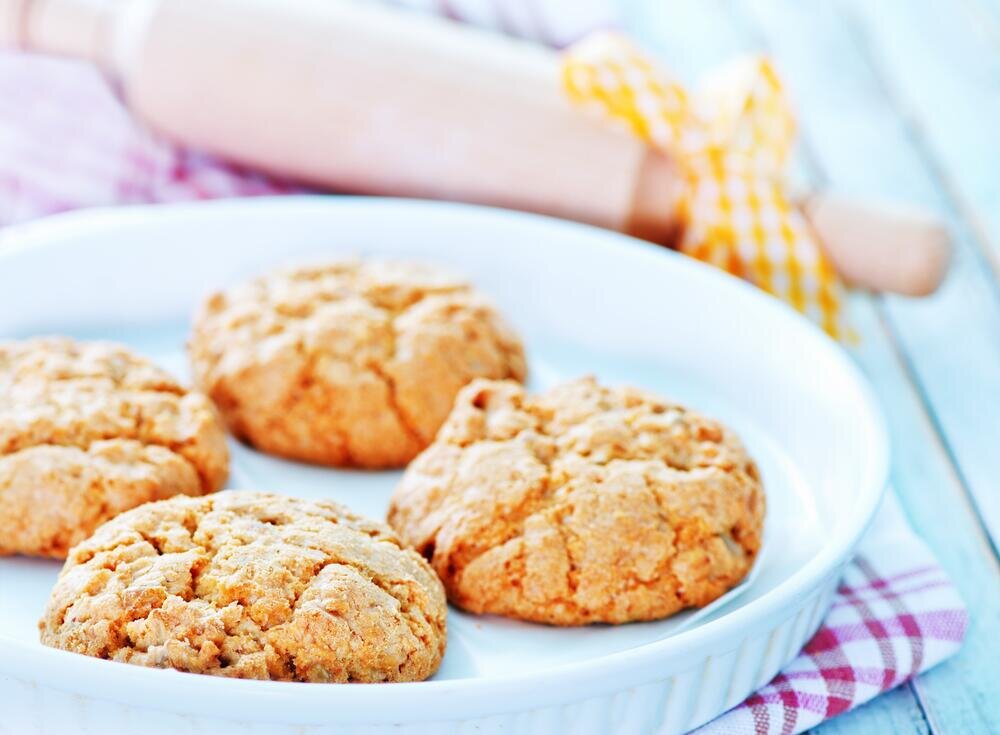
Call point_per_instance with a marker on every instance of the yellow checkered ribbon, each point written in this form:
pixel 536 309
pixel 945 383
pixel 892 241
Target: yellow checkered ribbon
pixel 731 138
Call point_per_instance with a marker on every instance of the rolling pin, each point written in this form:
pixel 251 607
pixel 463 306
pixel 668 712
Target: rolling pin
pixel 357 97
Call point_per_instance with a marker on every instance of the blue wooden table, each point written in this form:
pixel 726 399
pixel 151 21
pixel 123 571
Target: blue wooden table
pixel 900 100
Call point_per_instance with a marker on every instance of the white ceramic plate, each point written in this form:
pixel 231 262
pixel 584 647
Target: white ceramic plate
pixel 586 301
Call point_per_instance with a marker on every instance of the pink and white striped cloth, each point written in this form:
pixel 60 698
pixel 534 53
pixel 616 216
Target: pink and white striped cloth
pixel 67 142
pixel 895 615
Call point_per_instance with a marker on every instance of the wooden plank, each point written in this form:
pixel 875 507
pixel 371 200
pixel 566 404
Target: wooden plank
pixel 959 695
pixel 850 126
pixel 987 16
pixel 942 68
pixel 959 326
pixel 847 109
pixel 689 37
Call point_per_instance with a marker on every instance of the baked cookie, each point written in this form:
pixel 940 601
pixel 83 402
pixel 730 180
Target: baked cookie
pixel 355 363
pixel 582 505
pixel 87 430
pixel 251 585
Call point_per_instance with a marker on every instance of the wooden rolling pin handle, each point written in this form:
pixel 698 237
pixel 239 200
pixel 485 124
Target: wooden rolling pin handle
pixel 655 200
pixel 878 246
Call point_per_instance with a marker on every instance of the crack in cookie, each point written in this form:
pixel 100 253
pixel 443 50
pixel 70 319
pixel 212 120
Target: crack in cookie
pixel 584 504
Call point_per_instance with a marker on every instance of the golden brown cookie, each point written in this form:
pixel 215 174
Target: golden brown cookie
pixel 584 504
pixel 88 430
pixel 355 363
pixel 251 585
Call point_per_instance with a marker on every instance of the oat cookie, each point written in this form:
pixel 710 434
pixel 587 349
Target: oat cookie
pixel 88 430
pixel 251 585
pixel 584 504
pixel 355 363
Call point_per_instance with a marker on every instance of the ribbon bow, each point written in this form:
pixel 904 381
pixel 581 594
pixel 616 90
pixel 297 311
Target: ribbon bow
pixel 731 139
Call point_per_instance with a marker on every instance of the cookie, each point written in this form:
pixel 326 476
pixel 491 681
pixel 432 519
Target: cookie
pixel 355 363
pixel 88 430
pixel 251 585
pixel 582 505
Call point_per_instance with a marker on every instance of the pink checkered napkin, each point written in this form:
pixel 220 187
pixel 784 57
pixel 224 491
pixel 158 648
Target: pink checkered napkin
pixel 66 142
pixel 895 615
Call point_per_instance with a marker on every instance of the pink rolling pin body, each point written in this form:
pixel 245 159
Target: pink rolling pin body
pixel 362 98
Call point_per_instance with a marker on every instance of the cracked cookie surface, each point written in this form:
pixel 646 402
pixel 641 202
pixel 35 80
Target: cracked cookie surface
pixel 353 363
pixel 582 505
pixel 251 585
pixel 88 430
